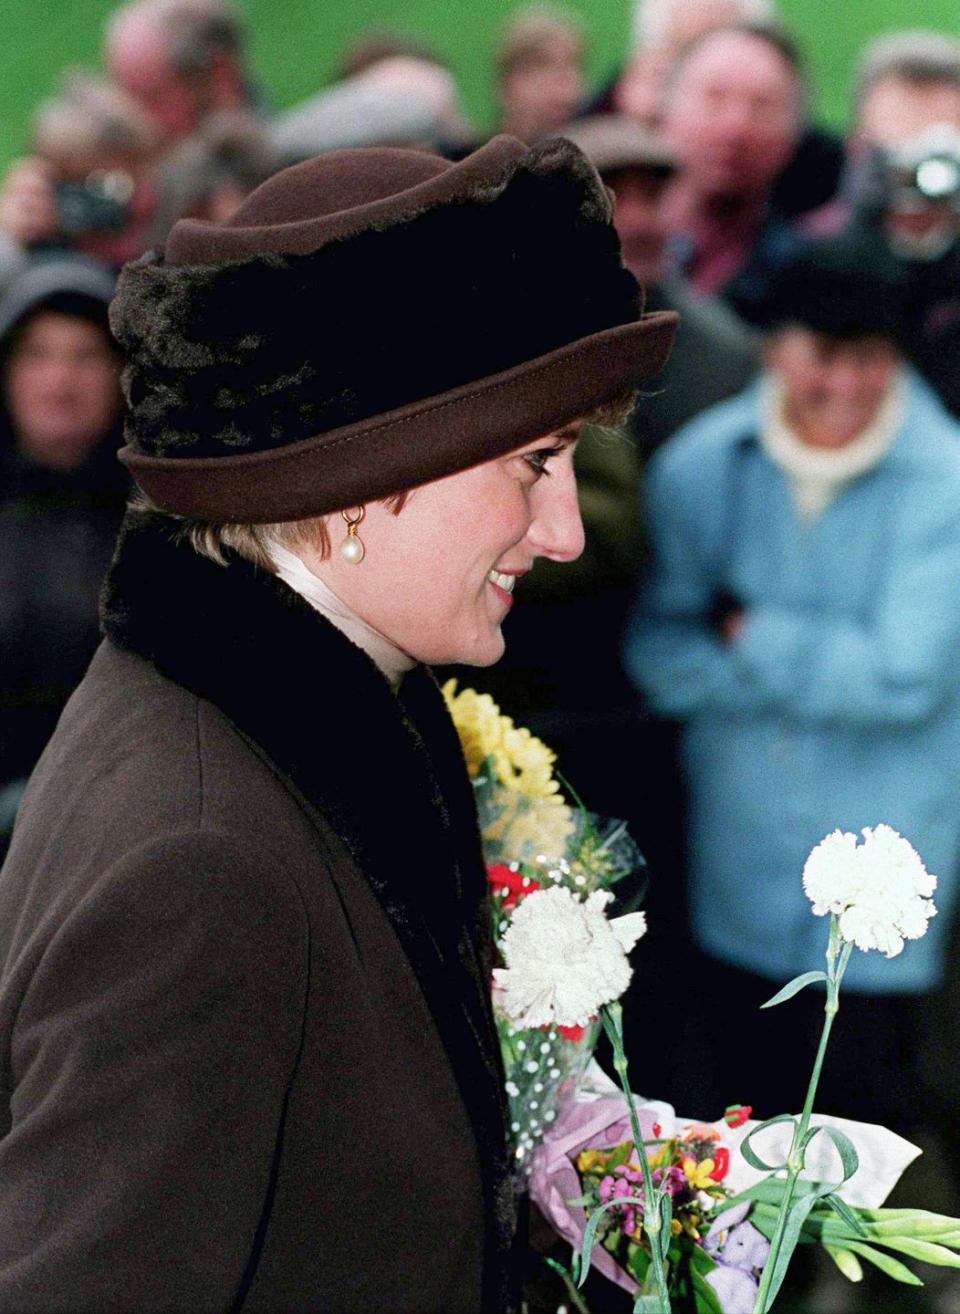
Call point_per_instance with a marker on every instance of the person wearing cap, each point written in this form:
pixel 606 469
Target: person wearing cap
pixel 249 1053
pixel 62 493
pixel 714 356
pixel 800 619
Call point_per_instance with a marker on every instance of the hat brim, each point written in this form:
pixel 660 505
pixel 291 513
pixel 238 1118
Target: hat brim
pixel 461 428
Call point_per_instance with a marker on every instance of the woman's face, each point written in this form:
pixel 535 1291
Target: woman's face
pixel 62 389
pixel 833 388
pixel 436 579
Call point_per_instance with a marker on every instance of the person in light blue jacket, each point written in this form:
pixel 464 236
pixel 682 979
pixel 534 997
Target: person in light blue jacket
pixel 802 621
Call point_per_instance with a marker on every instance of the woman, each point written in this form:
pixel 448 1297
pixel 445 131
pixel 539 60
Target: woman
pixel 62 493
pixel 246 1007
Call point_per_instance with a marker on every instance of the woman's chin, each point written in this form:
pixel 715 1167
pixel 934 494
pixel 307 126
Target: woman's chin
pixel 484 653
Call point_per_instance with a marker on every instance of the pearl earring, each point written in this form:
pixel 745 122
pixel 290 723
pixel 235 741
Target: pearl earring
pixel 352 549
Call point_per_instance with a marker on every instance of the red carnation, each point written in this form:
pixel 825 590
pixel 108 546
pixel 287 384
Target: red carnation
pixel 516 885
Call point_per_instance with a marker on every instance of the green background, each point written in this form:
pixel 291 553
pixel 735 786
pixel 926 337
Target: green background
pixel 294 43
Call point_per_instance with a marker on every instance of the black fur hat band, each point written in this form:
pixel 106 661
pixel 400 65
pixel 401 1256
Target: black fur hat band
pixel 372 320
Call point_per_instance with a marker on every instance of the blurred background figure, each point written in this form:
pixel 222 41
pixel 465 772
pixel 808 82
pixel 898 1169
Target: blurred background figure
pixel 62 493
pixel 86 185
pixel 181 60
pixel 208 176
pixel 906 82
pixel 396 97
pixel 662 29
pixel 801 621
pixel 713 356
pixel 734 107
pixel 899 203
pixel 540 64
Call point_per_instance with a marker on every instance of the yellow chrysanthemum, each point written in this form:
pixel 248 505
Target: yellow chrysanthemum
pixel 530 763
pixel 479 725
pixel 529 828
pixel 522 762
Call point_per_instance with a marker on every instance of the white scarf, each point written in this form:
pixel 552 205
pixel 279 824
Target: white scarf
pixel 391 660
pixel 817 474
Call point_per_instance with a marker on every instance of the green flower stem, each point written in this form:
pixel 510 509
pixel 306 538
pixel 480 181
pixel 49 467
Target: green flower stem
pixel 573 1295
pixel 612 1016
pixel 838 955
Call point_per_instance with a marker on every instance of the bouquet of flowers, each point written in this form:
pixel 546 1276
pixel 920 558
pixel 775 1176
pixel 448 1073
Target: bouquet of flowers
pixel 713 1255
pixel 535 843
pixel 663 1208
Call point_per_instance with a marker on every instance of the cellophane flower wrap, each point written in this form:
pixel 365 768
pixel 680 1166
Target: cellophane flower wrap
pixel 561 954
pixel 715 1254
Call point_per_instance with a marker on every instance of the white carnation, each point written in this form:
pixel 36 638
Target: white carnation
pixel 564 958
pixel 879 890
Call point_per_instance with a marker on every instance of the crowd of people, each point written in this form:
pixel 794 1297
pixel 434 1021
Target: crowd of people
pixel 759 642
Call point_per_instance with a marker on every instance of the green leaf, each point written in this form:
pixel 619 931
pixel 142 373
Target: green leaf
pixel 638 1261
pixel 648 1303
pixel 751 1156
pixel 886 1264
pixel 845 1148
pixel 665 1207
pixel 843 1210
pixel 927 1251
pixel 590 1236
pixel 847 1262
pixel 619 1156
pixel 794 987
pixel 701 1261
pixel 791 1235
pixel 769 1191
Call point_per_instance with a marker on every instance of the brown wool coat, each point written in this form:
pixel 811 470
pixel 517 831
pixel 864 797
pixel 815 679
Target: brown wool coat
pixel 247 1053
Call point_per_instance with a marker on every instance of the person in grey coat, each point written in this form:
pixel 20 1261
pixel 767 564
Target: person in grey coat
pixel 248 1053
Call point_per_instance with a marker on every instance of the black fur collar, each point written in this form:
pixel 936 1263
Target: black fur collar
pixel 387 772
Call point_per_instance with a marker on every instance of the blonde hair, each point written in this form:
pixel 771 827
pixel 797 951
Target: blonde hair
pixel 253 542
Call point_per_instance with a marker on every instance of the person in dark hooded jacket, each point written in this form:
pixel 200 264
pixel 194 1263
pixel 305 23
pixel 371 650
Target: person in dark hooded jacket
pixel 62 492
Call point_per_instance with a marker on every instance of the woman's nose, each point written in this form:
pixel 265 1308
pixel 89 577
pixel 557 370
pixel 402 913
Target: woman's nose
pixel 557 529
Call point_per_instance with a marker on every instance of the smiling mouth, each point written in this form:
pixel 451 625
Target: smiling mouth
pixel 505 582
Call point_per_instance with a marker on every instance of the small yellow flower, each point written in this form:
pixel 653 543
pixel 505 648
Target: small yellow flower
pixel 698 1174
pixel 657 1158
pixel 675 1228
pixel 590 1159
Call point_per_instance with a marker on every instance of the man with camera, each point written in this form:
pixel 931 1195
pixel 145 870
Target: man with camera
pixel 86 184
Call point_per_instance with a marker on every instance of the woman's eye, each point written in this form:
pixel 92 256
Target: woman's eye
pixel 538 460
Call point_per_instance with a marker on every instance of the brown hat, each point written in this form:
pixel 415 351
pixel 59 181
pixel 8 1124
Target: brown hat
pixel 616 141
pixel 372 320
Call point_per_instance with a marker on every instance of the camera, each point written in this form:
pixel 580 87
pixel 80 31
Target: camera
pixel 922 194
pixel 99 203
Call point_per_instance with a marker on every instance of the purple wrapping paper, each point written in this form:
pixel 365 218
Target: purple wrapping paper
pixel 554 1180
